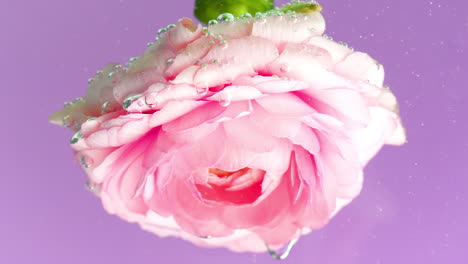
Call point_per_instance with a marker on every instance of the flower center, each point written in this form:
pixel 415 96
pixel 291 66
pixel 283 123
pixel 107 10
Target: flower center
pixel 222 173
pixel 238 187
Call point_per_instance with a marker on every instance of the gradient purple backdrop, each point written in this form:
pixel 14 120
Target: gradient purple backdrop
pixel 413 208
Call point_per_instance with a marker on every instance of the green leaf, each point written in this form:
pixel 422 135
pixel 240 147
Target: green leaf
pixel 206 10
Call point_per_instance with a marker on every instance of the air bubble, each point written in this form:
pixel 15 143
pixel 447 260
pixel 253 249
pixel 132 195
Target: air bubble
pixel 285 251
pixel 76 137
pixel 285 67
pixel 246 15
pixel 86 162
pixel 202 90
pixel 223 44
pixel 169 62
pixel 225 99
pixel 129 100
pixel 212 22
pixel 66 121
pixel 226 17
pixel 104 107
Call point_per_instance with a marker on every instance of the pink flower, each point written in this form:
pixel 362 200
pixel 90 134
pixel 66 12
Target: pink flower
pixel 250 132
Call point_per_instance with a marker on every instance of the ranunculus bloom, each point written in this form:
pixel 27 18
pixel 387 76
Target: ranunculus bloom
pixel 251 132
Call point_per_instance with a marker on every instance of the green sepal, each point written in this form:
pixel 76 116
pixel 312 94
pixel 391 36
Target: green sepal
pixel 301 7
pixel 206 10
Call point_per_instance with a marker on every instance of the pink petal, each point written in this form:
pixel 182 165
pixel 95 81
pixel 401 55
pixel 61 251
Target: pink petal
pixel 233 30
pixel 383 126
pixel 281 29
pixel 345 104
pixel 194 51
pixel 172 111
pixel 361 66
pixel 243 133
pixel 284 104
pixel 216 74
pixel 183 33
pixel 337 51
pixel 234 93
pixel 239 51
pixel 197 116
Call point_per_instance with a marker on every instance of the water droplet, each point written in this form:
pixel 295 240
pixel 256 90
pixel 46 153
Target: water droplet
pixel 212 22
pixel 129 100
pixel 225 99
pixel 90 80
pixel 246 15
pixel 343 44
pixel 292 14
pixel 76 137
pixel 67 104
pixel 93 187
pixel 110 75
pixel 149 44
pixel 151 100
pixel 202 90
pixel 170 26
pixel 327 37
pixel 86 162
pixel 104 107
pixel 285 251
pixel 162 31
pixel 215 61
pixel 226 17
pixel 223 44
pixel 261 17
pixel 99 72
pixel 66 121
pixel 285 67
pixel 169 62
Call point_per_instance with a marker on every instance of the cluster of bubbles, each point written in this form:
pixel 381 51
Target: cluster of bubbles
pixel 161 33
pixel 259 16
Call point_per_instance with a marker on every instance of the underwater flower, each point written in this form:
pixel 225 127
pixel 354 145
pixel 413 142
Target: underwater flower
pixel 251 132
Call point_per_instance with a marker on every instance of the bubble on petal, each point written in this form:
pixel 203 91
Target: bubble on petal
pixel 129 100
pixel 86 162
pixel 246 15
pixel 327 37
pixel 104 107
pixel 224 99
pixel 212 22
pixel 151 100
pixel 93 187
pixel 169 61
pixel 226 17
pixel 284 252
pixel 162 32
pixel 285 67
pixel 203 90
pixel 66 121
pixel 76 137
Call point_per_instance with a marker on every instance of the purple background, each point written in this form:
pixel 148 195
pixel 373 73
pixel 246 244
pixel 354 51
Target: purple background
pixel 413 208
